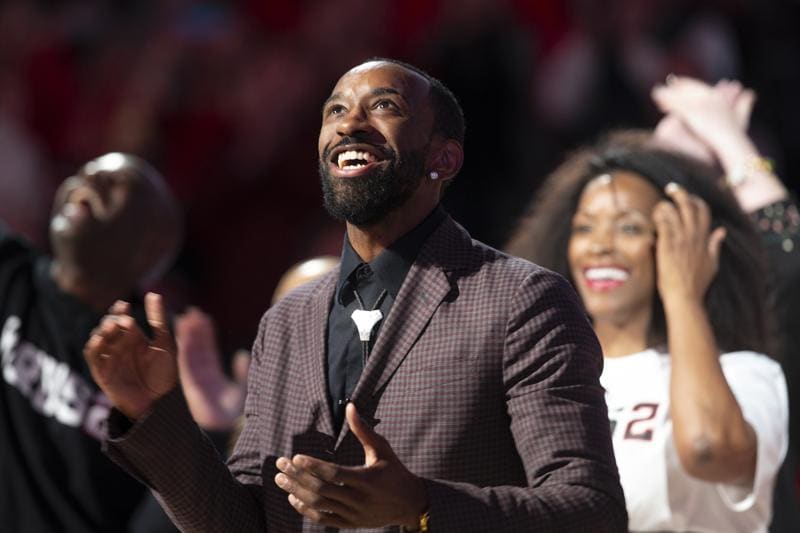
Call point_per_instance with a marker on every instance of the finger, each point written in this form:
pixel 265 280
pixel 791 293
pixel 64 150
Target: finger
pixel 102 340
pixel 304 465
pixel 195 325
pixel 703 216
pixel 111 329
pixel 685 208
pixel 315 499
pixel 665 217
pixel 321 517
pixel 662 97
pixel 304 482
pixel 240 366
pixel 95 350
pixel 120 307
pixel 727 91
pixel 196 340
pixel 156 317
pixel 689 85
pixel 375 446
pixel 715 244
pixel 743 107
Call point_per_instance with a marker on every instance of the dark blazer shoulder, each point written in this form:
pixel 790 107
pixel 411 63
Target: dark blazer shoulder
pixel 453 247
pixel 298 300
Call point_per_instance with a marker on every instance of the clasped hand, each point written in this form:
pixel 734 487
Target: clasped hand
pixel 381 492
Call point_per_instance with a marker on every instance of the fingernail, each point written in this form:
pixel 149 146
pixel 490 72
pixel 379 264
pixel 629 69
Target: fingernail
pixel 280 479
pixel 671 187
pixel 670 78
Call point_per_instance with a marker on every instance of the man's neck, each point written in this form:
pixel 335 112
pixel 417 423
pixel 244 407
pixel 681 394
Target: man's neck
pixel 369 241
pixel 89 289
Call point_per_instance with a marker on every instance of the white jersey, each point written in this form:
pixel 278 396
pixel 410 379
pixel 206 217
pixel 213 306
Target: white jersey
pixel 659 494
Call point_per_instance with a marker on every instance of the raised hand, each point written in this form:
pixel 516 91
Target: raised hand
pixel 133 370
pixel 710 123
pixel 716 117
pixel 687 249
pixel 215 401
pixel 707 122
pixel 380 493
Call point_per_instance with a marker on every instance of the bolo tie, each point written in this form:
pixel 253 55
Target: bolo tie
pixel 365 322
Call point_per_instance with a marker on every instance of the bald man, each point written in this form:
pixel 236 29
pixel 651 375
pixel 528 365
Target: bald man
pixel 429 382
pixel 114 226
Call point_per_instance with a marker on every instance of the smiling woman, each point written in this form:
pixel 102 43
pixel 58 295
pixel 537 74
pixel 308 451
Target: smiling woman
pixel 669 271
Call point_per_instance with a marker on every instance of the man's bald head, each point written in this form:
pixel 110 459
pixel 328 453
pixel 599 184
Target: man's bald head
pixel 448 116
pixel 116 214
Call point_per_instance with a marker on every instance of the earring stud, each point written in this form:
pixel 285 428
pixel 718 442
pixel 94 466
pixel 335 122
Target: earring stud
pixel 434 175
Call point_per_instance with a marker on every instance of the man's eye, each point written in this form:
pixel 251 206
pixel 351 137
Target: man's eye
pixel 336 109
pixel 384 104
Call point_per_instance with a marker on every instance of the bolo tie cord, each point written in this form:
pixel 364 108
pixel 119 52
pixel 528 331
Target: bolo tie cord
pixel 365 344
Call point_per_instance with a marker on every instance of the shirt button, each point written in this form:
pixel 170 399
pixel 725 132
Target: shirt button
pixel 363 272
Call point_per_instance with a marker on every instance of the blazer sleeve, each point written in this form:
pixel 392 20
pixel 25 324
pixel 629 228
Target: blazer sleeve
pixel 169 453
pixel 559 421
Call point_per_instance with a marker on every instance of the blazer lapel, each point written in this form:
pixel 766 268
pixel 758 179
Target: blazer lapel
pixel 423 290
pixel 426 285
pixel 312 327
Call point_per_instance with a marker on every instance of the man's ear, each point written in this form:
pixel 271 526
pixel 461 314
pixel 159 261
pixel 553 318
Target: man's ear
pixel 447 157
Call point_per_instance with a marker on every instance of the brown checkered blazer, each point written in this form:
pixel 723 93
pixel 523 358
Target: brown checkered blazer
pixel 484 379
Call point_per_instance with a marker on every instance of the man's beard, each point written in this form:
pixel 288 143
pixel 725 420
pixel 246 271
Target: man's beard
pixel 365 200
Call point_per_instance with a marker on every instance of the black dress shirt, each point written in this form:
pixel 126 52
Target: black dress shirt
pixel 346 354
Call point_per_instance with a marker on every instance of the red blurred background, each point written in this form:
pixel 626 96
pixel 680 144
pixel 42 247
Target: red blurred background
pixel 224 98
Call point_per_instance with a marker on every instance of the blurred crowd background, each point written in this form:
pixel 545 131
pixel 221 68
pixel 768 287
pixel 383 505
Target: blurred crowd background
pixel 225 98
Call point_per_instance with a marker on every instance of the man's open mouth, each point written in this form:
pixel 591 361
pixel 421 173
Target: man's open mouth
pixel 355 157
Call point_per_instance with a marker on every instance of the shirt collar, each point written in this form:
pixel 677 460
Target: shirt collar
pixel 391 265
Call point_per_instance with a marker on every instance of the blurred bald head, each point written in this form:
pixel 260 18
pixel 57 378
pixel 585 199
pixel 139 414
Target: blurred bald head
pixel 302 273
pixel 116 219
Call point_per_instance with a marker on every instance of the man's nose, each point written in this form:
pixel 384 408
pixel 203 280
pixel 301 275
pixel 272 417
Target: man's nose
pixel 354 122
pixel 99 180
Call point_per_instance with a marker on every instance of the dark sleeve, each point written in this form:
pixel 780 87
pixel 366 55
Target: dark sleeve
pixel 168 452
pixel 149 517
pixel 559 420
pixel 11 245
pixel 779 227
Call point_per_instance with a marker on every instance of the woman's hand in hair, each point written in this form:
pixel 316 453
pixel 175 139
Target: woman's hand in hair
pixel 712 439
pixel 687 249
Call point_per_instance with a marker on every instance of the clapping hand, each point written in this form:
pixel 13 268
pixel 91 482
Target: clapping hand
pixel 215 401
pixel 133 370
pixel 381 492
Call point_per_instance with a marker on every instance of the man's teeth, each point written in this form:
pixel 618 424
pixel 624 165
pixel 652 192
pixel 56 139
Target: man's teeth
pixel 606 274
pixel 354 159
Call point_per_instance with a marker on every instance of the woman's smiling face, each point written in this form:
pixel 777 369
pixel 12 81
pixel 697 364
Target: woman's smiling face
pixel 611 247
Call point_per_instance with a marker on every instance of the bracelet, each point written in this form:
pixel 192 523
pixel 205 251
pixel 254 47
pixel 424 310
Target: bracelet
pixel 780 220
pixel 423 522
pixel 755 165
pixel 422 526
